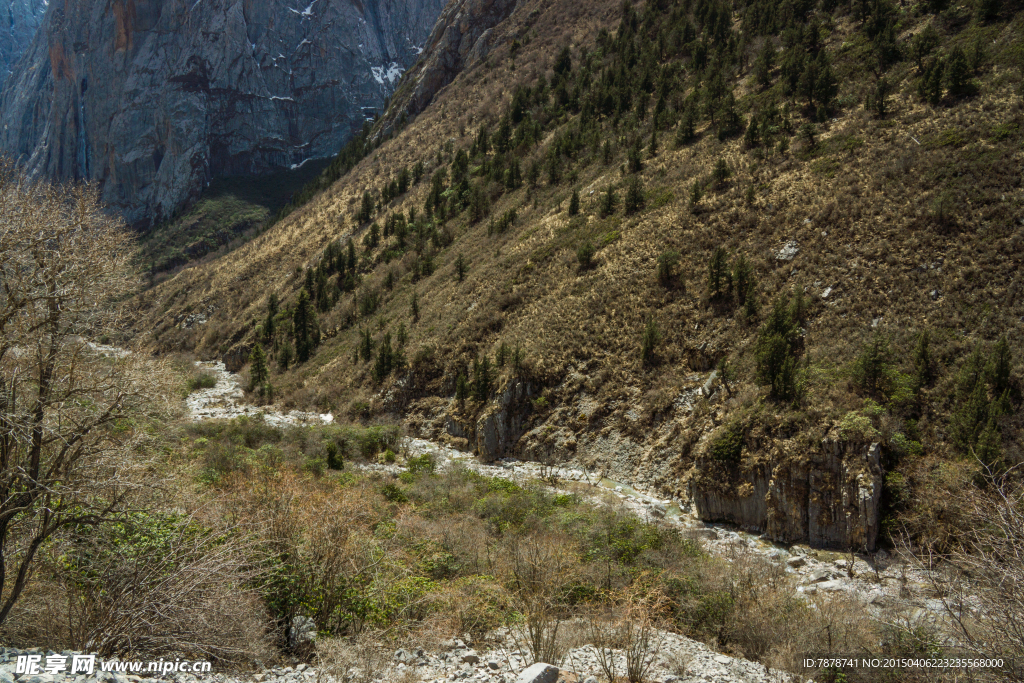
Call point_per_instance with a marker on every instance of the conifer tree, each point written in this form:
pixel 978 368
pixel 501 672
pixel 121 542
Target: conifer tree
pixel 258 373
pixel 719 278
pixel 269 327
pixel 461 267
pixel 650 341
pixel 415 306
pixel 305 327
pixel 574 203
pixel 634 196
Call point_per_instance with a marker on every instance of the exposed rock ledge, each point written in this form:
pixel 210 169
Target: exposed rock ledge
pixel 828 498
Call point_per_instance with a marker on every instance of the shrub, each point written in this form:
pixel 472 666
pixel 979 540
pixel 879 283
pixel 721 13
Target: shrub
pixel 727 446
pixel 421 464
pixel 202 380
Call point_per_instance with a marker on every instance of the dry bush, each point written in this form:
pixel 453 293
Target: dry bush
pixel 360 659
pixel 540 565
pixel 985 600
pixel 140 590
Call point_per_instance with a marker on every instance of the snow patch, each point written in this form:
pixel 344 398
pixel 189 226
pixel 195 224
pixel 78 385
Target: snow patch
pixel 392 73
pixel 306 13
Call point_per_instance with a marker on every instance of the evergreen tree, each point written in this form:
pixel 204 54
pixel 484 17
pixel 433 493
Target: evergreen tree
pixel 634 196
pixel 775 352
pixel 305 327
pixel 585 255
pixel 997 372
pixel 635 165
pixel 687 129
pixel 461 267
pixel 764 63
pixel 461 389
pixel 652 146
pixel 930 86
pixel 608 201
pixel 924 370
pixel 269 327
pixel 958 73
pixel 403 336
pixel 285 356
pixel 574 203
pixel 719 278
pixel 258 373
pixel 668 268
pixel 742 275
pixel 366 208
pixel 650 341
pixel 873 368
pixel 696 192
pixel 385 362
pixel 482 378
pixel 415 305
pixel 365 345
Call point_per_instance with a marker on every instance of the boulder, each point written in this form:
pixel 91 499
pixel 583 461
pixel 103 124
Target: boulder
pixel 539 673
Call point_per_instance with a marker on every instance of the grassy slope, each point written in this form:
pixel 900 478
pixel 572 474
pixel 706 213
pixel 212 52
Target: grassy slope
pixel 230 211
pixel 862 204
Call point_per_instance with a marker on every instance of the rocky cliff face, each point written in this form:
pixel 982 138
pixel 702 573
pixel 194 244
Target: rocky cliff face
pixel 828 497
pixel 464 34
pixel 150 99
pixel 17 28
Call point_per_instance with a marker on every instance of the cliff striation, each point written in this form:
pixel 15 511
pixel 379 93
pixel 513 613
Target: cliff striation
pixel 22 20
pixel 150 100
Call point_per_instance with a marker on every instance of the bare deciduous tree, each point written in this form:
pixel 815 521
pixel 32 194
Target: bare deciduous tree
pixel 985 599
pixel 69 416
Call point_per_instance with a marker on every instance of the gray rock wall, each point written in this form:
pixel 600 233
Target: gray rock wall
pixel 828 498
pixel 18 25
pixel 150 99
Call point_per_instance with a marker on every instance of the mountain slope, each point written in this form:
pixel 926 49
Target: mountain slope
pixel 151 100
pixel 779 161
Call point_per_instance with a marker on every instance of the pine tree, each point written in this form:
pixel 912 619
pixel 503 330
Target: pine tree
pixel 608 201
pixel 461 389
pixel 285 356
pixel 482 378
pixel 269 327
pixel 258 372
pixel 461 267
pixel 742 275
pixel 652 146
pixel 764 63
pixel 574 203
pixel 403 336
pixel 585 255
pixel 775 352
pixel 649 342
pixel 924 370
pixel 415 305
pixel 958 73
pixel 719 278
pixel 305 327
pixel 366 208
pixel 634 196
pixel 365 345
pixel 997 372
pixel 385 360
pixel 668 265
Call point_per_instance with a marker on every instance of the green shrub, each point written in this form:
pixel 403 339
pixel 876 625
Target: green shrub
pixel 421 464
pixel 203 380
pixel 394 493
pixel 727 447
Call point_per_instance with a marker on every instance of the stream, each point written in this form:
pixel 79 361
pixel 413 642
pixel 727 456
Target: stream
pixel 887 585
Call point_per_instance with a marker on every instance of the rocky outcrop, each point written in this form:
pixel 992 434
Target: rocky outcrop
pixel 827 498
pixel 464 35
pixel 21 20
pixel 151 99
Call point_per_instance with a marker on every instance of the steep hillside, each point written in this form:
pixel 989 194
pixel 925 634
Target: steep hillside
pixel 151 100
pixel 821 201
